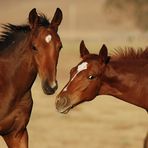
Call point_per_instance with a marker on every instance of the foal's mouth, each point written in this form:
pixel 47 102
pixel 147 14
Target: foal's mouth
pixel 65 110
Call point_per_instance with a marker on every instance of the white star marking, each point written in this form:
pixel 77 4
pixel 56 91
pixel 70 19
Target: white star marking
pixel 48 38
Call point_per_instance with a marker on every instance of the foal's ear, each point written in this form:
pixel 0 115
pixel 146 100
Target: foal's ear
pixel 57 18
pixel 33 18
pixel 104 54
pixel 83 50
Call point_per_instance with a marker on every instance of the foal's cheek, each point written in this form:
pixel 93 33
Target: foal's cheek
pixel 92 91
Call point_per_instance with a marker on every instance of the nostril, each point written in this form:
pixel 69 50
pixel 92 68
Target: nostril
pixel 48 90
pixel 61 102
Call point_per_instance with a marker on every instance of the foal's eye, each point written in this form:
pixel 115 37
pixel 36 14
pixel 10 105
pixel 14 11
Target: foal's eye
pixel 34 48
pixel 91 77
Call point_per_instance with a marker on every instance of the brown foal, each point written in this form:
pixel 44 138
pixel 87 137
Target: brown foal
pixel 124 76
pixel 25 51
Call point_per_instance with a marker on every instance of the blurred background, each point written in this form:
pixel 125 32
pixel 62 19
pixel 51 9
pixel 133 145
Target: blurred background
pixel 105 122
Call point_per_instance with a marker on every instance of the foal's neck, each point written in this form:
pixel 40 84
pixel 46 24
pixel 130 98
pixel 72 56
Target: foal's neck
pixel 123 80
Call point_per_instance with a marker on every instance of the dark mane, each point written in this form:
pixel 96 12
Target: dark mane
pixel 10 33
pixel 43 21
pixel 130 53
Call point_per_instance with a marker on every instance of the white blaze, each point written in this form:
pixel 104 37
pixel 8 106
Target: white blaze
pixel 80 68
pixel 48 38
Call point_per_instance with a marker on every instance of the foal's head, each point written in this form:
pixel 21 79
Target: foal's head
pixel 46 45
pixel 85 79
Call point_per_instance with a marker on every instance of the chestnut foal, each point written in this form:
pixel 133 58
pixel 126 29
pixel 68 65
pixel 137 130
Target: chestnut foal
pixel 25 51
pixel 123 76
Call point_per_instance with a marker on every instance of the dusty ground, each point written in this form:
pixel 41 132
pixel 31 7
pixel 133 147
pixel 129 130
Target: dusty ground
pixel 103 123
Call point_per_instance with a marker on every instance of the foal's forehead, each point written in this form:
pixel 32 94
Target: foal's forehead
pixel 47 30
pixel 82 66
pixel 89 65
pixel 48 34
